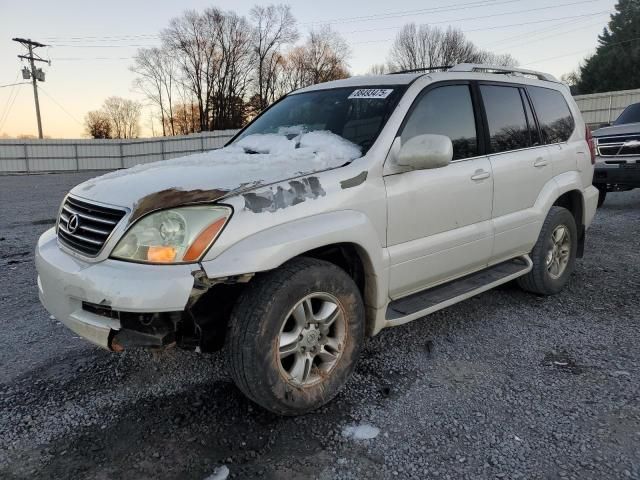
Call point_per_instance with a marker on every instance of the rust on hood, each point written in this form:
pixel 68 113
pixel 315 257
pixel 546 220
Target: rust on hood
pixel 274 199
pixel 173 197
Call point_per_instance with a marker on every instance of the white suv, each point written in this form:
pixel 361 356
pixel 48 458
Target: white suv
pixel 345 208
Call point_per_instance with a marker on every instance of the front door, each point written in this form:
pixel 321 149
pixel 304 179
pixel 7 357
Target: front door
pixel 439 220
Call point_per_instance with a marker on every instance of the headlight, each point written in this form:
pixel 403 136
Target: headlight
pixel 178 235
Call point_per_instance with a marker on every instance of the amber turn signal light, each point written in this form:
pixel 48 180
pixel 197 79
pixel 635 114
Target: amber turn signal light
pixel 202 241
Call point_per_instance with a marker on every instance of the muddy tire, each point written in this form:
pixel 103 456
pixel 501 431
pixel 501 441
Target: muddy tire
pixel 602 194
pixel 553 255
pixel 295 335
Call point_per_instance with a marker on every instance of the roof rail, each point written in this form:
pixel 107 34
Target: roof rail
pixel 481 67
pixel 423 69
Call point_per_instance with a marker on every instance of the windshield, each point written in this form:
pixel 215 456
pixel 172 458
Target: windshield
pixel 631 114
pixel 355 114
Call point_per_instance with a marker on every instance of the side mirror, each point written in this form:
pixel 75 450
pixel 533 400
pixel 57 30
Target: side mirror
pixel 425 151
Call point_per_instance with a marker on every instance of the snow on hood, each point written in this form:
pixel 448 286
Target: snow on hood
pixel 254 160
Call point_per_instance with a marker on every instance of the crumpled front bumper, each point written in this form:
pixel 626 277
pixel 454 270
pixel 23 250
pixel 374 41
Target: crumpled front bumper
pixel 65 282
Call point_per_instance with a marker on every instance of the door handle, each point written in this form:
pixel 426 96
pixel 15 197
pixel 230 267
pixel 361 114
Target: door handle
pixel 480 175
pixel 540 162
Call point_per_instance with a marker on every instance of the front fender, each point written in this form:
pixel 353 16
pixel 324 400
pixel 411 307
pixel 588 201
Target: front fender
pixel 270 248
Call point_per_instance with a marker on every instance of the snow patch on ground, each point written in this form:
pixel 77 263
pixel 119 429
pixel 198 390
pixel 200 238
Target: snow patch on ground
pixel 360 432
pixel 220 473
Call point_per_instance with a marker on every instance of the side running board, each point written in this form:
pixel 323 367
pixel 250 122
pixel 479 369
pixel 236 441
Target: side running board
pixel 428 301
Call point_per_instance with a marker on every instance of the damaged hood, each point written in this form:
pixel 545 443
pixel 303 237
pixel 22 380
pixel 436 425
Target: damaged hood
pixel 251 162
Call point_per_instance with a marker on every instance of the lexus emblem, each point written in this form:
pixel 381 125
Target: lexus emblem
pixel 73 223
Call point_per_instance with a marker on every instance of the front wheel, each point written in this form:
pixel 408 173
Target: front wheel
pixel 553 255
pixel 295 335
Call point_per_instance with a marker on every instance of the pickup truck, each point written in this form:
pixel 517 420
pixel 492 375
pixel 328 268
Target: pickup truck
pixel 618 154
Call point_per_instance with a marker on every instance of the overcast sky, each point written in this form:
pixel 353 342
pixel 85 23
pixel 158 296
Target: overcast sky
pixel 88 66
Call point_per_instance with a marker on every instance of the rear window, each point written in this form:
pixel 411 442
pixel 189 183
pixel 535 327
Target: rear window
pixel 508 128
pixel 555 119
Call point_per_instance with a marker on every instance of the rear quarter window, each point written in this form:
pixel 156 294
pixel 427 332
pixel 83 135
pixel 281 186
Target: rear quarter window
pixel 554 117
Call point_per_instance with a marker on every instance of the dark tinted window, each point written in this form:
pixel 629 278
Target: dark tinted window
pixel 534 134
pixel 508 126
pixel 446 111
pixel 553 113
pixel 631 114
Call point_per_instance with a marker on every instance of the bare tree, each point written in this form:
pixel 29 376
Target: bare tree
pixel 97 124
pixel 233 39
pixel 378 69
pixel 191 42
pixel 274 26
pixel 426 46
pixel 157 75
pixel 124 116
pixel 294 71
pixel 185 118
pixel 326 55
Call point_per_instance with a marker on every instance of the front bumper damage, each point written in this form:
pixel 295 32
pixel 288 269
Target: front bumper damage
pixel 113 304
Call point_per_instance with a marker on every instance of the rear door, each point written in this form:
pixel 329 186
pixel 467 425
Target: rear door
pixel 521 167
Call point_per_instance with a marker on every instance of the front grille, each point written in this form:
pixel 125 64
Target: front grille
pixel 619 145
pixel 85 227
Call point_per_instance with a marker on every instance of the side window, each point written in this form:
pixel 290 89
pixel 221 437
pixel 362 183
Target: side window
pixel 446 110
pixel 508 128
pixel 533 129
pixel 556 122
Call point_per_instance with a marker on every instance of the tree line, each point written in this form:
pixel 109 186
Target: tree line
pixel 215 69
pixel 615 65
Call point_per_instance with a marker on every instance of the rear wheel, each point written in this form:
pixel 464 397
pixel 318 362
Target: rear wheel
pixel 295 336
pixel 602 189
pixel 553 255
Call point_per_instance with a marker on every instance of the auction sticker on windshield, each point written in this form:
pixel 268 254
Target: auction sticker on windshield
pixel 371 93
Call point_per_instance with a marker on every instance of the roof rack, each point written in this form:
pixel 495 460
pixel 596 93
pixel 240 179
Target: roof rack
pixel 486 68
pixel 481 67
pixel 423 69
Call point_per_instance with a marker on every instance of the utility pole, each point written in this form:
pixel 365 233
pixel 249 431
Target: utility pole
pixel 33 73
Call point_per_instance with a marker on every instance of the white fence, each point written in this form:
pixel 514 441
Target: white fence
pixel 30 156
pixel 599 108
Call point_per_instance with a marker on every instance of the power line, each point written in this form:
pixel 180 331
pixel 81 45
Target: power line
pixel 13 84
pixel 480 17
pixel 6 104
pixel 581 51
pixel 496 27
pixel 545 29
pixel 548 36
pixel 406 13
pixel 104 46
pixel 75 59
pixel 61 107
pixel 8 111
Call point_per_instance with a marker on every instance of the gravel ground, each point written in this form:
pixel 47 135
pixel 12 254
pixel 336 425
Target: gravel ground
pixel 505 385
